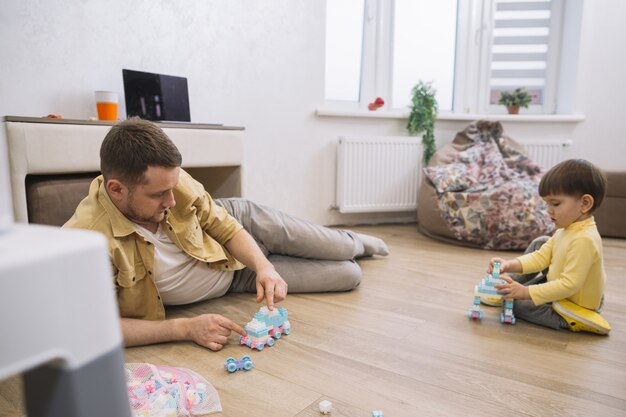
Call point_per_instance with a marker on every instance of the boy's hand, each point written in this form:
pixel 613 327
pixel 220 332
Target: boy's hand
pixel 491 262
pixel 513 290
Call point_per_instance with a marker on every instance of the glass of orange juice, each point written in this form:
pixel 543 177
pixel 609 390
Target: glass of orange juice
pixel 106 103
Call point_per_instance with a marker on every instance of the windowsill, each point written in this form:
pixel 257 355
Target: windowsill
pixel 404 114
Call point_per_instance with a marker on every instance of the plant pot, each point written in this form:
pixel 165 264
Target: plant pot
pixel 513 109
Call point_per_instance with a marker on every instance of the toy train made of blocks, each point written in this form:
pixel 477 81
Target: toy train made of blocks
pixel 265 328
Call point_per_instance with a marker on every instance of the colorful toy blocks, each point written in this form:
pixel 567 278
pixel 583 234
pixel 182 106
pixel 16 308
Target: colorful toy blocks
pixel 486 287
pixel 233 364
pixel 265 328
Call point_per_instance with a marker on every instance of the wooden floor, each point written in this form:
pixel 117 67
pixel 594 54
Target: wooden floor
pixel 402 343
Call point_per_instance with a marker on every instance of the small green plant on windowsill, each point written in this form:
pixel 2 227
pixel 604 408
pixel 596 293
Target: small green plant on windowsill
pixel 422 117
pixel 515 99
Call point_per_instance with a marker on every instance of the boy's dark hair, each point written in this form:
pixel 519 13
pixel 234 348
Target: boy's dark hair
pixel 131 147
pixel 575 177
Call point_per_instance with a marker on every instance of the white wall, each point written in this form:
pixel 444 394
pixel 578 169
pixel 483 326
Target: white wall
pixel 259 64
pixel 600 85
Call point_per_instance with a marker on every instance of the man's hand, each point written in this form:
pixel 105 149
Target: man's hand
pixel 208 330
pixel 271 286
pixel 513 290
pixel 212 330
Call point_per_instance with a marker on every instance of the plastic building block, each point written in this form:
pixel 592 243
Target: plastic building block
pixel 377 413
pixel 265 328
pixel 233 364
pixel 325 407
pixel 474 312
pixel 506 316
pixel 486 287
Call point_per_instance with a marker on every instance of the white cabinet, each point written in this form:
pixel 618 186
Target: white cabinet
pixel 37 146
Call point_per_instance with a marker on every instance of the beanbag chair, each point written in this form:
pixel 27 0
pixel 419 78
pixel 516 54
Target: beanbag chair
pixel 482 191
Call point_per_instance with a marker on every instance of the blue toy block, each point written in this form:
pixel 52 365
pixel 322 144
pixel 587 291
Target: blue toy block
pixel 482 289
pixel 506 316
pixel 495 273
pixel 474 312
pixel 233 364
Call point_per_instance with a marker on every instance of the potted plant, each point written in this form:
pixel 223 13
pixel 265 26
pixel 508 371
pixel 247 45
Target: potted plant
pixel 422 117
pixel 515 99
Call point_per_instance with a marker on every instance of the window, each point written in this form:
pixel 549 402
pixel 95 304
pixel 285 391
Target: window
pixel 344 45
pixel 523 34
pixel 423 46
pixel 470 50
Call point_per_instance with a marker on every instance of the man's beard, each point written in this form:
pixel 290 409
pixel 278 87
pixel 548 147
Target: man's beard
pixel 133 215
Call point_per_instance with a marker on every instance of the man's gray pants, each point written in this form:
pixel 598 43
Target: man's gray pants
pixel 309 257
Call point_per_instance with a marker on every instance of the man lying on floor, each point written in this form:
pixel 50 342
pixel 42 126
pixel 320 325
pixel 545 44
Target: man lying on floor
pixel 170 243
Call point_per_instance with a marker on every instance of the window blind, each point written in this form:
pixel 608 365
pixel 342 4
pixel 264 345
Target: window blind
pixel 522 44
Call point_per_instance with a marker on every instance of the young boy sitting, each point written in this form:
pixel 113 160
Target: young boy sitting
pixel 572 293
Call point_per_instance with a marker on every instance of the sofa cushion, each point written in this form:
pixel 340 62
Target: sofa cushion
pixel 610 215
pixel 52 199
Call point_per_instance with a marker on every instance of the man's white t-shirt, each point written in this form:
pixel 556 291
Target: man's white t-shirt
pixel 180 278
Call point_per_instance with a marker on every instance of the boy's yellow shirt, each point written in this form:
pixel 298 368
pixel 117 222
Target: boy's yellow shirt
pixel 574 256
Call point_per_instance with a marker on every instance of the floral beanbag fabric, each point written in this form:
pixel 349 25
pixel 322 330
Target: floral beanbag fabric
pixel 488 195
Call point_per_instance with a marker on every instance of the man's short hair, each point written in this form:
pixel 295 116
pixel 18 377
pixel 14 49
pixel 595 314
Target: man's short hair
pixel 575 177
pixel 132 146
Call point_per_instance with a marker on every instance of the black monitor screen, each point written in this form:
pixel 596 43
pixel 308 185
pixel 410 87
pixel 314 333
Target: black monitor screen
pixel 156 96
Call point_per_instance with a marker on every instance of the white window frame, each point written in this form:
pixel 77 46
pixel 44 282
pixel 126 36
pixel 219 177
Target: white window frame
pixel 472 59
pixel 377 63
pixel 375 58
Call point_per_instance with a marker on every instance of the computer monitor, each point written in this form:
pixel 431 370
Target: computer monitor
pixel 156 97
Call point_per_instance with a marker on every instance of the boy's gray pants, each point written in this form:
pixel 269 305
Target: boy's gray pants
pixel 309 257
pixel 543 315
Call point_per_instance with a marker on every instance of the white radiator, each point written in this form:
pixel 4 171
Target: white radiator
pixel 378 174
pixel 547 153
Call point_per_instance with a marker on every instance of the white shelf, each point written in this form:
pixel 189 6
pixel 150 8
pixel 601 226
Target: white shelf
pixel 404 114
pixel 37 148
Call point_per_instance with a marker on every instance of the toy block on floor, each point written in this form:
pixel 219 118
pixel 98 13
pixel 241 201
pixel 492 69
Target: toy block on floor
pixel 233 364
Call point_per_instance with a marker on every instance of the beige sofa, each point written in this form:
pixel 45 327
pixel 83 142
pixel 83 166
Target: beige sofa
pixel 611 216
pixel 52 199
